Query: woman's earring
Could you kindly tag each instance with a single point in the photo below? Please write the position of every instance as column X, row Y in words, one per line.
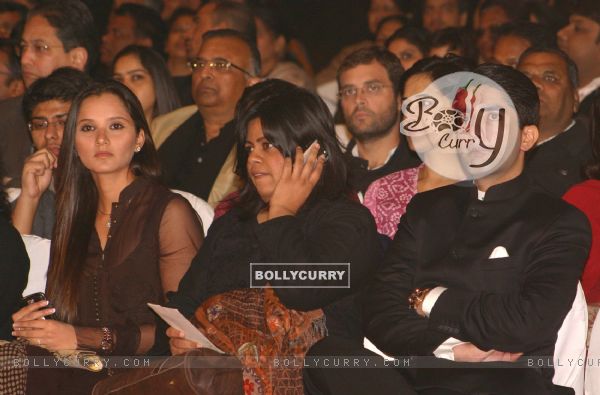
column 138, row 148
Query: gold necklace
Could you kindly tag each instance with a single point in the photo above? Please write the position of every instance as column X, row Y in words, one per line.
column 108, row 214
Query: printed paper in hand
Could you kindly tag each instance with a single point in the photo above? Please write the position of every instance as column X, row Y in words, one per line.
column 175, row 319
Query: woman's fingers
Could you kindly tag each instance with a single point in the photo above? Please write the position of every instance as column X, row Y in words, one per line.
column 315, row 175
column 178, row 343
column 23, row 312
column 36, row 315
column 311, row 161
column 287, row 169
column 175, row 333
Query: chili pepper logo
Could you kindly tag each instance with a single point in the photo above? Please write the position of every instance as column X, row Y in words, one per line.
column 464, row 104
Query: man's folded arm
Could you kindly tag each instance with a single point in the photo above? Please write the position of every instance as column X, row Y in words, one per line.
column 530, row 316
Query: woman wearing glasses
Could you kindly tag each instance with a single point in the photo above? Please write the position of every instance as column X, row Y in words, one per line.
column 120, row 240
column 145, row 72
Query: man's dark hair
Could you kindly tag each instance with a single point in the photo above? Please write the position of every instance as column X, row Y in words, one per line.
column 519, row 88
column 236, row 16
column 271, row 19
column 508, row 6
column 74, row 25
column 230, row 33
column 11, row 6
column 589, row 9
column 463, row 5
column 457, row 39
column 414, row 35
column 148, row 24
column 13, row 64
column 534, row 33
column 374, row 54
column 571, row 66
column 156, row 5
column 542, row 13
column 178, row 13
column 63, row 84
column 395, row 18
column 437, row 67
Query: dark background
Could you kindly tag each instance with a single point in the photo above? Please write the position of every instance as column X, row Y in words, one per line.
column 324, row 26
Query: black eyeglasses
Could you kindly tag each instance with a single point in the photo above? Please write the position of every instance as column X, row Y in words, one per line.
column 41, row 124
column 219, row 65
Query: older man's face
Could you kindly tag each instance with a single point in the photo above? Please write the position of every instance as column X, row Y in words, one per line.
column 220, row 90
column 558, row 97
column 42, row 52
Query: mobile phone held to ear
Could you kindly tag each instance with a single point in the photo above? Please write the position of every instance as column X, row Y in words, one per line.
column 36, row 297
column 322, row 151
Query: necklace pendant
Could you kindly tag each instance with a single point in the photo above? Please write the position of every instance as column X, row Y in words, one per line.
column 108, row 223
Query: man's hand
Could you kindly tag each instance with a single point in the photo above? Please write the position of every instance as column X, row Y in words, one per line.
column 37, row 173
column 467, row 352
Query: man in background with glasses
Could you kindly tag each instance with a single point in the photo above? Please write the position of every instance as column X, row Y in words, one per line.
column 198, row 155
column 57, row 34
column 369, row 97
column 45, row 106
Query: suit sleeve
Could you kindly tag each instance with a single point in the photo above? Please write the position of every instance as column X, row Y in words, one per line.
column 522, row 320
column 389, row 323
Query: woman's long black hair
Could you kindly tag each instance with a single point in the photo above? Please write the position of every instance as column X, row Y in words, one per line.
column 77, row 198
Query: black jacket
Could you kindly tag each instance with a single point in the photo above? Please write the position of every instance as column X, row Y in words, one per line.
column 557, row 165
column 338, row 231
column 14, row 269
column 513, row 304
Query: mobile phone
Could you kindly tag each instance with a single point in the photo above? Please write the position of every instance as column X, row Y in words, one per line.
column 36, row 297
column 321, row 151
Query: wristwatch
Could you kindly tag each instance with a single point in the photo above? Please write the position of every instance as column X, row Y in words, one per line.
column 416, row 298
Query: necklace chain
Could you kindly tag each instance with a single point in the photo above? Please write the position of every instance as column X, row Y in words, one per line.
column 107, row 222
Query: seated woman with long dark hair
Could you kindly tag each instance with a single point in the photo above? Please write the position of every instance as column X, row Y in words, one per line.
column 120, row 239
column 291, row 210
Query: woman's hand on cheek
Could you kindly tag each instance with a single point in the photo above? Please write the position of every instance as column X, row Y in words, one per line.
column 296, row 183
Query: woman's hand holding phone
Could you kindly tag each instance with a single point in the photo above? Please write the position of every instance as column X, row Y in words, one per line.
column 297, row 181
column 30, row 323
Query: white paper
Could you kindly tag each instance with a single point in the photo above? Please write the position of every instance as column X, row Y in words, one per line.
column 175, row 319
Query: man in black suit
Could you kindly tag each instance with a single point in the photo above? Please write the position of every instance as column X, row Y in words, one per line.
column 490, row 270
column 564, row 145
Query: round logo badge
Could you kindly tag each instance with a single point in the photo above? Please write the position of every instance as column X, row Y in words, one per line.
column 464, row 126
